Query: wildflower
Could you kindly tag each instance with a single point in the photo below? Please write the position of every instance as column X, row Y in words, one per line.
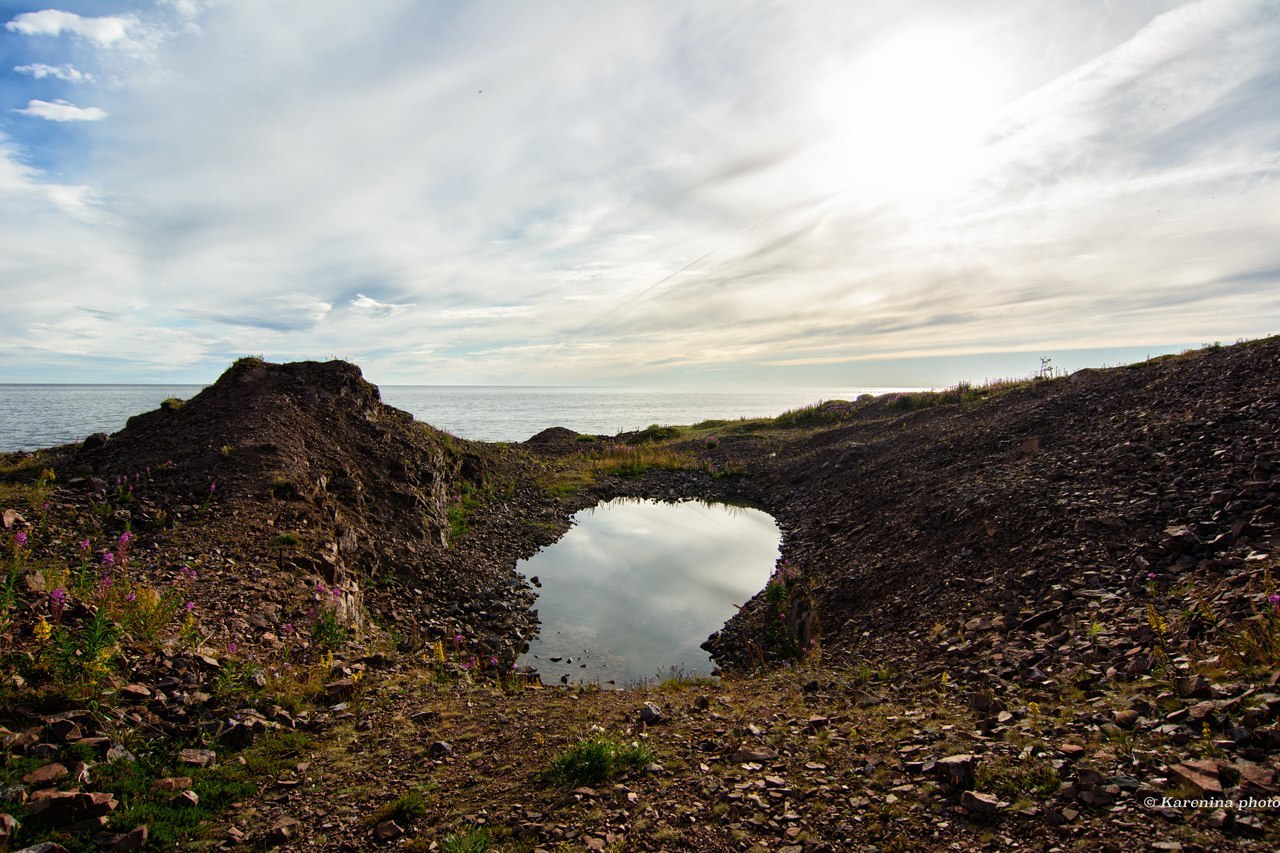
column 286, row 628
column 105, row 583
column 84, row 546
column 131, row 597
column 493, row 661
column 213, row 487
column 57, row 602
column 189, row 606
column 1274, row 599
column 187, row 573
column 437, row 652
column 320, row 588
column 232, row 648
column 42, row 629
column 125, row 539
column 20, row 538
column 108, row 559
column 357, row 675
column 1151, row 576
column 337, row 593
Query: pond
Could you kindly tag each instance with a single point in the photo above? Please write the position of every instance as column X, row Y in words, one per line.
column 634, row 587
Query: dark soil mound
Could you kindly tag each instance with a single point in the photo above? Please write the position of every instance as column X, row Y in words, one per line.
column 308, row 431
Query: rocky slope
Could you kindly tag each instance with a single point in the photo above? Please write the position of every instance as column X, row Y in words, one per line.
column 1023, row 616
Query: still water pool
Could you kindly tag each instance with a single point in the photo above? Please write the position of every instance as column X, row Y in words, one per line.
column 635, row 586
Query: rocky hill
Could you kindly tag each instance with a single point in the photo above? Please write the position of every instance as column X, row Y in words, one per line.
column 1026, row 614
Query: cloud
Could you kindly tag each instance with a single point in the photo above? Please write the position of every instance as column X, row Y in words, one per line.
column 65, row 72
column 489, row 312
column 632, row 190
column 104, row 31
column 367, row 306
column 61, row 111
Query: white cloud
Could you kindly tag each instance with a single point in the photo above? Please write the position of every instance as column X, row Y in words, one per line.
column 61, row 111
column 66, row 72
column 641, row 179
column 490, row 312
column 367, row 306
column 104, row 31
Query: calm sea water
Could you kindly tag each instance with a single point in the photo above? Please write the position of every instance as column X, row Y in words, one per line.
column 33, row 416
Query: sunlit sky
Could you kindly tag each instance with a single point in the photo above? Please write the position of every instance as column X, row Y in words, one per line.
column 707, row 194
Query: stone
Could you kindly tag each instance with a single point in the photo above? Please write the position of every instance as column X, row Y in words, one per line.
column 387, row 831
column 198, row 757
column 956, row 771
column 63, row 730
column 63, row 808
column 44, row 777
column 981, row 803
column 135, row 694
column 1126, row 719
column 650, row 714
column 172, row 783
column 187, row 799
column 759, row 755
column 283, row 830
column 8, row 828
column 440, row 749
column 1201, row 774
column 134, row 839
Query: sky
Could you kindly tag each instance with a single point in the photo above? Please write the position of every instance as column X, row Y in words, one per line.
column 717, row 194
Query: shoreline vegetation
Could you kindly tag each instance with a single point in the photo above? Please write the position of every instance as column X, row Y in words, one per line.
column 1022, row 614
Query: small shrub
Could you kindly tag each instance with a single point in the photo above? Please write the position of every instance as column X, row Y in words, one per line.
column 404, row 809
column 597, row 758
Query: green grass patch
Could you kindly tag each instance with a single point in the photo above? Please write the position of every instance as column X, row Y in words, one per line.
column 597, row 758
column 631, row 461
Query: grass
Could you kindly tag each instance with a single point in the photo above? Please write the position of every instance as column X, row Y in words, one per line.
column 133, row 785
column 597, row 758
column 472, row 840
column 631, row 461
column 1012, row 779
column 407, row 807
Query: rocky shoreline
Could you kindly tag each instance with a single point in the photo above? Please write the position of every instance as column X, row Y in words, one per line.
column 1022, row 610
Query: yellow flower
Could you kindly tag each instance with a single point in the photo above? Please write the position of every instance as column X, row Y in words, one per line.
column 437, row 651
column 42, row 630
column 356, row 676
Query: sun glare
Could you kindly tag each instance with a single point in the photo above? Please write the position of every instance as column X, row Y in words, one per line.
column 906, row 119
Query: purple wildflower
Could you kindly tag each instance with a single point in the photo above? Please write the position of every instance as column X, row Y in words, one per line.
column 190, row 606
column 57, row 602
column 187, row 573
column 1274, row 598
column 105, row 583
column 232, row 648
column 125, row 539
column 108, row 559
column 1151, row 576
column 213, row 487
column 84, row 545
column 286, row 628
column 20, row 538
column 337, row 593
column 131, row 597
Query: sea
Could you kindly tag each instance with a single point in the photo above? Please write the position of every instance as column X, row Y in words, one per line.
column 35, row 416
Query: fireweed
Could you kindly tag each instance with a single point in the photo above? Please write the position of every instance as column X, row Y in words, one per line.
column 327, row 629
